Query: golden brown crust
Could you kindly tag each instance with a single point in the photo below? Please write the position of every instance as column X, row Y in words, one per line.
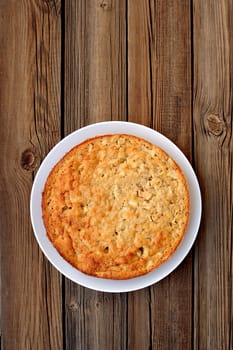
column 116, row 206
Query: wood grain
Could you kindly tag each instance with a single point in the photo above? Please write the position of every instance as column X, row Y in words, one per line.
column 95, row 62
column 213, row 105
column 95, row 90
column 66, row 64
column 159, row 95
column 30, row 125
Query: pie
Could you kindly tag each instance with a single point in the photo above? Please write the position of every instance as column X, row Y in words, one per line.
column 116, row 206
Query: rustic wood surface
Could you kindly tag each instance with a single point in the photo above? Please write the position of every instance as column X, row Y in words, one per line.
column 213, row 154
column 165, row 64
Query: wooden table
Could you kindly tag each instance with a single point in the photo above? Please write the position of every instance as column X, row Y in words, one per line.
column 167, row 64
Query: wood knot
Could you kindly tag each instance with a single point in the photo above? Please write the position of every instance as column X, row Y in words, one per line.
column 28, row 159
column 105, row 5
column 214, row 124
column 73, row 306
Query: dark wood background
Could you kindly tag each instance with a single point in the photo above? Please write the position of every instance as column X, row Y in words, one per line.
column 167, row 64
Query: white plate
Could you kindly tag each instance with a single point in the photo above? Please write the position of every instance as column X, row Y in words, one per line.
column 58, row 152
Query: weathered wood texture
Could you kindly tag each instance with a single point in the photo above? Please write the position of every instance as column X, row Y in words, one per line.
column 95, row 62
column 95, row 90
column 30, row 126
column 159, row 95
column 213, row 105
column 66, row 64
column 97, row 66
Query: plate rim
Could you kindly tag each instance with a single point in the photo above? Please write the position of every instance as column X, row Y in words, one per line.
column 115, row 286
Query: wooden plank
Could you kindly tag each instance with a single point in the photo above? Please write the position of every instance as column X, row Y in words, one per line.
column 159, row 95
column 95, row 90
column 30, row 126
column 95, row 62
column 213, row 105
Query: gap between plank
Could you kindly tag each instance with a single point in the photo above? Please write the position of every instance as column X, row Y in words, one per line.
column 193, row 159
column 126, row 61
column 62, row 124
column 62, row 134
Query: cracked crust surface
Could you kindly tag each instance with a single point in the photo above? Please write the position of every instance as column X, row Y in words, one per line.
column 116, row 206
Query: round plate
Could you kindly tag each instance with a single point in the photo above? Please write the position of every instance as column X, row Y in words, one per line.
column 59, row 151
